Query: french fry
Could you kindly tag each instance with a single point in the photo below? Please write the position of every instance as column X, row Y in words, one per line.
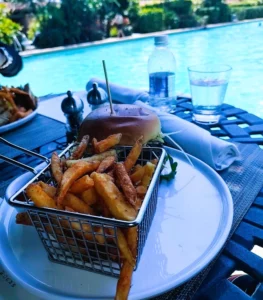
column 72, row 174
column 154, row 161
column 96, row 157
column 81, row 185
column 94, row 142
column 111, row 174
column 124, row 281
column 109, row 177
column 134, row 154
column 141, row 191
column 148, row 174
column 138, row 203
column 56, row 168
column 48, row 189
column 98, row 186
column 76, row 204
column 81, row 148
column 113, row 198
column 131, row 235
column 106, row 164
column 23, row 218
column 106, row 144
column 67, row 208
column 60, row 235
column 136, row 168
column 137, row 176
column 122, row 245
column 89, row 196
column 85, row 228
column 39, row 197
column 126, row 183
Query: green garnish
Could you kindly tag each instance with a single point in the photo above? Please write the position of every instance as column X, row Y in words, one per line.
column 173, row 165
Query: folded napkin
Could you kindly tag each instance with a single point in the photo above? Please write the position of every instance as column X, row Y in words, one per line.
column 196, row 141
column 193, row 139
column 119, row 93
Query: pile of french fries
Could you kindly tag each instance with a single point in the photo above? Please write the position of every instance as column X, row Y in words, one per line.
column 98, row 185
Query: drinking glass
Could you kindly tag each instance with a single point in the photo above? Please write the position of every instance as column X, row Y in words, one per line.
column 208, row 88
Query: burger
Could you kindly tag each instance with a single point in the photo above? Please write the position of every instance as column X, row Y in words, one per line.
column 131, row 120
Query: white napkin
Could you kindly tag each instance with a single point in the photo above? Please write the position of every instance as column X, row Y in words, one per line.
column 119, row 93
column 194, row 140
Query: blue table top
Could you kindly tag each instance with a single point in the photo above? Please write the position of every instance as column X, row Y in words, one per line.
column 235, row 125
column 240, row 126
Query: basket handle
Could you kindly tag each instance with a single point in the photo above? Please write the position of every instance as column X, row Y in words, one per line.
column 17, row 163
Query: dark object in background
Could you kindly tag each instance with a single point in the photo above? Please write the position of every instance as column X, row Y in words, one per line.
column 245, row 282
column 15, row 66
column 29, row 100
column 96, row 96
column 73, row 111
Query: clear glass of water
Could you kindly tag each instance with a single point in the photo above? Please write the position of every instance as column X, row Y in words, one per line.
column 208, row 88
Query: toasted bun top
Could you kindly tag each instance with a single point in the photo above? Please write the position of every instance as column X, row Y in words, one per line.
column 130, row 120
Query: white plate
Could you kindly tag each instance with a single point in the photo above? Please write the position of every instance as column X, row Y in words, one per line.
column 192, row 222
column 17, row 123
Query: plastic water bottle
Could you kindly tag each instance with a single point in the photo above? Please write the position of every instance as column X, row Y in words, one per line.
column 161, row 69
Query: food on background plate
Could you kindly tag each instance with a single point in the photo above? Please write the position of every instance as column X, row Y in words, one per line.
column 97, row 185
column 131, row 121
column 16, row 103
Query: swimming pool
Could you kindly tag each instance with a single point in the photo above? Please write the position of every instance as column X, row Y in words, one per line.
column 240, row 46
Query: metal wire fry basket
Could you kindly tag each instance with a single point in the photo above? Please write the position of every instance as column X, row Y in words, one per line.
column 86, row 241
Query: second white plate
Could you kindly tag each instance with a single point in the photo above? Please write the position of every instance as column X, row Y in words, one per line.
column 18, row 123
column 192, row 222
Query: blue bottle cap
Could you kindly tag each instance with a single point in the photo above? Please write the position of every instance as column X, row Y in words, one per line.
column 161, row 40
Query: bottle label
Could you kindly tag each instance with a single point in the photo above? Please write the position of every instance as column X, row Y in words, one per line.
column 162, row 84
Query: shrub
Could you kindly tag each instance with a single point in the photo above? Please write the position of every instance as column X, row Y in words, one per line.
column 96, row 35
column 171, row 20
column 134, row 14
column 34, row 27
column 50, row 38
column 128, row 30
column 151, row 20
column 215, row 14
column 113, row 31
column 72, row 23
column 8, row 28
column 243, row 13
column 188, row 21
column 211, row 12
column 180, row 7
column 254, row 12
column 240, row 13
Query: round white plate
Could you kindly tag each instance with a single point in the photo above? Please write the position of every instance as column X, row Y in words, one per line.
column 192, row 222
column 18, row 123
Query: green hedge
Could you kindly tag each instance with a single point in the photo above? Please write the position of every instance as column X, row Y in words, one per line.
column 171, row 20
column 7, row 27
column 215, row 14
column 244, row 13
column 151, row 20
column 168, row 15
column 180, row 7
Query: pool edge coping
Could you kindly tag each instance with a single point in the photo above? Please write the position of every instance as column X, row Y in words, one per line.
column 136, row 36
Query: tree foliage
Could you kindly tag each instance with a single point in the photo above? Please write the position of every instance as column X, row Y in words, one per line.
column 75, row 21
column 8, row 29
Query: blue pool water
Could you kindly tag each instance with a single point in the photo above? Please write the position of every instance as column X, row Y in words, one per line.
column 240, row 46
